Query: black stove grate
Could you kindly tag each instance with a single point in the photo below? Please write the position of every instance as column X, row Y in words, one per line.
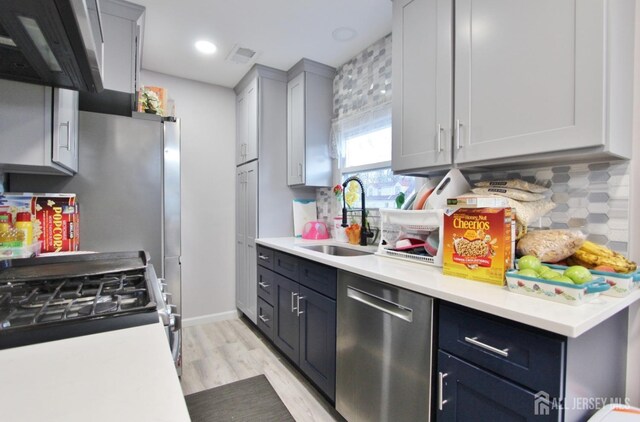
column 36, row 309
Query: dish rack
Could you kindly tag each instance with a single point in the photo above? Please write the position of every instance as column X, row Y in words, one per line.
column 397, row 225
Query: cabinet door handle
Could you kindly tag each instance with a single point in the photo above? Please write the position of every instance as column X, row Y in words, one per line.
column 66, row 124
column 439, row 138
column 263, row 257
column 300, row 312
column 458, row 126
column 263, row 284
column 69, row 136
column 475, row 342
column 263, row 319
column 441, row 378
column 300, row 170
column 293, row 306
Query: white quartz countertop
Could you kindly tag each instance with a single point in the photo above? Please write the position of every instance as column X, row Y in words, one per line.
column 559, row 318
column 122, row 375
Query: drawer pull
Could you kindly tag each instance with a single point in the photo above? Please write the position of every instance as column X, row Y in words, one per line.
column 263, row 284
column 441, row 402
column 263, row 257
column 263, row 319
column 475, row 342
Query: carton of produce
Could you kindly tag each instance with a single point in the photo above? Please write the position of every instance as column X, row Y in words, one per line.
column 55, row 218
column 477, row 243
column 556, row 291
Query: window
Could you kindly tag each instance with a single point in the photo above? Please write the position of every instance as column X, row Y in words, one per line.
column 363, row 146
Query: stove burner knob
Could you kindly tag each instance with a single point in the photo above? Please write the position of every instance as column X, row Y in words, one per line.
column 166, row 297
column 175, row 322
column 163, row 285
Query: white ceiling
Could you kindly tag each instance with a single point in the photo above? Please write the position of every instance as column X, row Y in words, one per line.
column 282, row 31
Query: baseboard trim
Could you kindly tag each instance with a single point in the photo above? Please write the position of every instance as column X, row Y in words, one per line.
column 206, row 319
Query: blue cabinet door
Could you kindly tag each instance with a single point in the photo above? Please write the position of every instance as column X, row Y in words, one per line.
column 318, row 339
column 465, row 392
column 286, row 322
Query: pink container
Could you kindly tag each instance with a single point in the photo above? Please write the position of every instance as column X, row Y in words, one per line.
column 315, row 230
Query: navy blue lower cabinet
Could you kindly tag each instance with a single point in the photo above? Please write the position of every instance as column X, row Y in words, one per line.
column 318, row 339
column 465, row 392
column 286, row 329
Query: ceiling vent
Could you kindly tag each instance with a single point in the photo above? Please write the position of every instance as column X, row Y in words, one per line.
column 242, row 55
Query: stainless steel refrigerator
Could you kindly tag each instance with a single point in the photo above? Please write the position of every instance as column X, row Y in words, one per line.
column 128, row 188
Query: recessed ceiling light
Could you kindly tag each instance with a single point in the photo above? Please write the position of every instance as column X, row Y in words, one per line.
column 206, row 47
column 344, row 34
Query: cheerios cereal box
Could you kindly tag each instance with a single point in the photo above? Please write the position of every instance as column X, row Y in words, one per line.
column 477, row 243
column 55, row 218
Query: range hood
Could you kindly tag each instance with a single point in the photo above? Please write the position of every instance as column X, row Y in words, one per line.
column 53, row 42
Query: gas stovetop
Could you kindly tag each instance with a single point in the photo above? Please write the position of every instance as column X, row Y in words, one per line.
column 44, row 299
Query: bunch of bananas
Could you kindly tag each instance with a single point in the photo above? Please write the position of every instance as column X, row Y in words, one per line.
column 591, row 255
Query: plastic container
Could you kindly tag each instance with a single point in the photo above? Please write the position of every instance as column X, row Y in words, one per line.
column 556, row 291
column 400, row 228
column 24, row 223
column 453, row 184
column 315, row 230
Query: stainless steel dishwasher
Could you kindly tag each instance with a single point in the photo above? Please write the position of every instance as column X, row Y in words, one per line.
column 383, row 351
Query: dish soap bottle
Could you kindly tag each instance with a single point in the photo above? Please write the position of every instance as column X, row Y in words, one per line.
column 24, row 224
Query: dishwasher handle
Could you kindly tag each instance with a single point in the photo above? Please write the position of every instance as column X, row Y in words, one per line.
column 380, row 304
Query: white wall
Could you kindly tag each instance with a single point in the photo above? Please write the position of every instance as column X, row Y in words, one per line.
column 207, row 114
column 633, row 338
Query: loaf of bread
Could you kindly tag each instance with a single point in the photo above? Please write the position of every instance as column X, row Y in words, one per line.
column 550, row 245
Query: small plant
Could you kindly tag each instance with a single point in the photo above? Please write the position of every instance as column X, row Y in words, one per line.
column 150, row 102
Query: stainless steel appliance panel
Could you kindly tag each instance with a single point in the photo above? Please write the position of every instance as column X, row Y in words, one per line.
column 172, row 215
column 119, row 185
column 383, row 351
column 171, row 177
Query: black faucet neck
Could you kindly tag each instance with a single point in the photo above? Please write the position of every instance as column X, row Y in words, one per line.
column 363, row 228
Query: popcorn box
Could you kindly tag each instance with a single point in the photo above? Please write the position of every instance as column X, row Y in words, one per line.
column 477, row 243
column 55, row 218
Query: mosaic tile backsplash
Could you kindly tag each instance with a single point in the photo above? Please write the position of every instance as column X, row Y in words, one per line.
column 593, row 198
column 364, row 81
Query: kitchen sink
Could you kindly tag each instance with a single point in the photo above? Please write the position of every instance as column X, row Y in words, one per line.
column 336, row 250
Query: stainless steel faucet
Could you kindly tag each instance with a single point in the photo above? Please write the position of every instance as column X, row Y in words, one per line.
column 364, row 232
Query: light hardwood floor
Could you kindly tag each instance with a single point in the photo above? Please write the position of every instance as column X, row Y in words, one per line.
column 226, row 351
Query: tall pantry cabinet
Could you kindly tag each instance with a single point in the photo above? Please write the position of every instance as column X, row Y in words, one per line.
column 263, row 199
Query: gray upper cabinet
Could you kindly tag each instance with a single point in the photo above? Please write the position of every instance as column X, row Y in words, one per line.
column 309, row 113
column 422, row 84
column 520, row 93
column 123, row 28
column 38, row 129
column 247, row 122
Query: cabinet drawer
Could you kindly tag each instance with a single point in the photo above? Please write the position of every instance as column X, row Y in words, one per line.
column 469, row 393
column 266, row 281
column 527, row 356
column 265, row 257
column 265, row 318
column 286, row 265
column 318, row 277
